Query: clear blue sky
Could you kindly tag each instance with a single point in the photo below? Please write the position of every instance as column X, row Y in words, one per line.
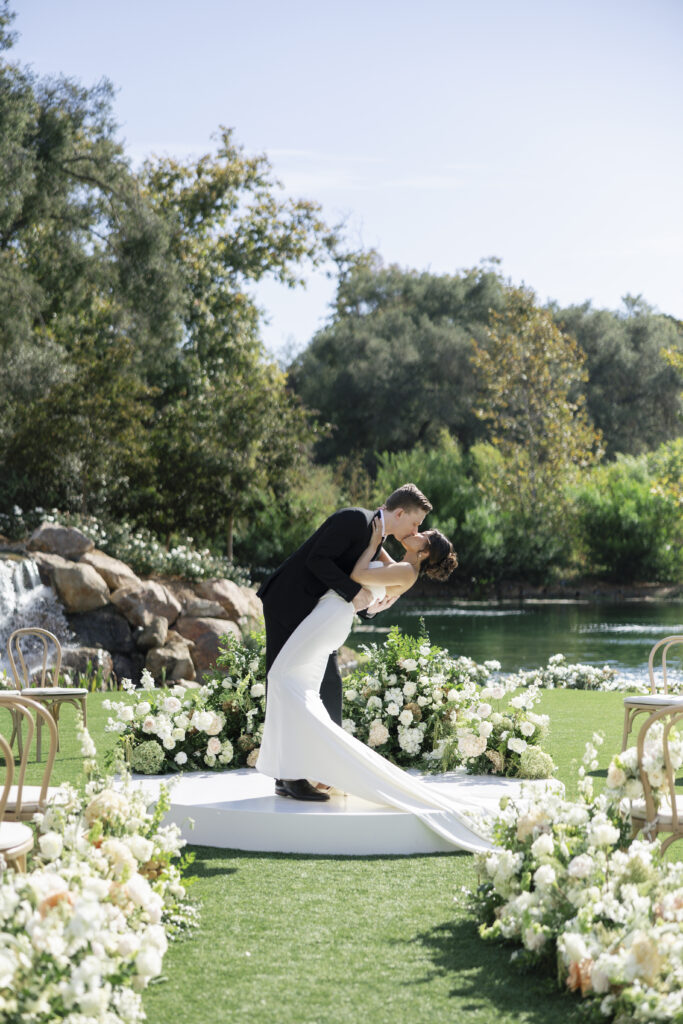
column 544, row 132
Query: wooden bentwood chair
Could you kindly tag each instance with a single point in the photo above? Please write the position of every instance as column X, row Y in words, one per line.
column 19, row 802
column 645, row 815
column 48, row 692
column 649, row 703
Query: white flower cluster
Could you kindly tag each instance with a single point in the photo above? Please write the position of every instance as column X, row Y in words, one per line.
column 623, row 774
column 615, row 916
column 558, row 674
column 85, row 929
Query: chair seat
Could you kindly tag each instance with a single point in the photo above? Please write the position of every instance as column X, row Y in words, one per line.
column 653, row 700
column 30, row 797
column 664, row 814
column 48, row 692
column 13, row 833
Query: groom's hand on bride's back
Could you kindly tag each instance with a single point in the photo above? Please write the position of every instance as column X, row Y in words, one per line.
column 363, row 599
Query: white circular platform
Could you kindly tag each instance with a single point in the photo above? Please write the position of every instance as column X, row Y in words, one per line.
column 239, row 810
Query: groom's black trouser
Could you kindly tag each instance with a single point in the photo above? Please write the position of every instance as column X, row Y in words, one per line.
column 331, row 686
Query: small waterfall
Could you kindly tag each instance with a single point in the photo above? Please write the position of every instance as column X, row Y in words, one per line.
column 24, row 601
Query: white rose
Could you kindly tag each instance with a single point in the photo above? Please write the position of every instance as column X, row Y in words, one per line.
column 148, row 963
column 143, row 708
column 484, row 710
column 406, row 717
column 544, row 876
column 517, row 745
column 527, row 728
column 602, row 833
column 351, row 694
column 409, row 664
column 580, row 866
column 409, row 688
column 616, row 778
column 575, row 949
column 178, row 735
column 126, row 714
column 634, row 789
column 485, row 729
column 141, row 848
column 168, row 743
column 378, row 735
column 214, row 745
column 181, row 757
column 258, row 690
column 533, row 938
column 149, row 724
column 543, row 846
column 393, row 709
column 51, row 845
column 171, row 704
column 348, row 725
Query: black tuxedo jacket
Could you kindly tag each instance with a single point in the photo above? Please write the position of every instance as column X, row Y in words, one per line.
column 323, row 562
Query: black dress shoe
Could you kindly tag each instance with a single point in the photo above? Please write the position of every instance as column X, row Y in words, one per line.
column 299, row 789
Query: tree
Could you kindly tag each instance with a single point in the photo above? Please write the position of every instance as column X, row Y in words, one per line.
column 530, row 376
column 393, row 368
column 633, row 395
column 229, row 438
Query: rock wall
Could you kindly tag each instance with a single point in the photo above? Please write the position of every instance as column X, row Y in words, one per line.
column 170, row 627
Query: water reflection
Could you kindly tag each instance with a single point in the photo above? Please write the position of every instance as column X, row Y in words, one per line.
column 525, row 636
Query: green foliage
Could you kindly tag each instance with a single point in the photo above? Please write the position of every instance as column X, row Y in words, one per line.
column 629, row 517
column 392, row 368
column 529, row 374
column 633, row 393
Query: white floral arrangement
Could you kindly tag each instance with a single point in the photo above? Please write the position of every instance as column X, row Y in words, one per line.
column 570, row 893
column 216, row 725
column 499, row 733
column 85, row 929
column 623, row 775
column 559, row 674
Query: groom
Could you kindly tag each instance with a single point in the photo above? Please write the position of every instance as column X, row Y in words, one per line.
column 324, row 562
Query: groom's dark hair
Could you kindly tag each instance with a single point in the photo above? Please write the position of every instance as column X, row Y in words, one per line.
column 408, row 496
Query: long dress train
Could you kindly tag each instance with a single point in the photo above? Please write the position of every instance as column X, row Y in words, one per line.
column 300, row 740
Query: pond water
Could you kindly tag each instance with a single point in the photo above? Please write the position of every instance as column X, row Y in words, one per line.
column 525, row 635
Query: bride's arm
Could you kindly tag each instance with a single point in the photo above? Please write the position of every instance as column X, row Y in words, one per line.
column 397, row 576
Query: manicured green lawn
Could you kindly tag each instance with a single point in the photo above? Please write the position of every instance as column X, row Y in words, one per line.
column 340, row 940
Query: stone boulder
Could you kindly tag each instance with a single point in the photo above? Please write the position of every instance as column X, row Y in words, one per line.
column 152, row 635
column 173, row 660
column 141, row 602
column 228, row 595
column 254, row 603
column 47, row 563
column 114, row 572
column 205, row 634
column 80, row 587
column 201, row 608
column 75, row 661
column 105, row 627
column 66, row 541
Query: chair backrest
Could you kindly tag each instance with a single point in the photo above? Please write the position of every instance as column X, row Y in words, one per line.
column 25, row 708
column 9, row 774
column 663, row 645
column 16, row 655
column 669, row 717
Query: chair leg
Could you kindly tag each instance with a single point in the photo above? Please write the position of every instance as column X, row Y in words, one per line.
column 54, row 711
column 84, row 709
column 18, row 862
column 627, row 728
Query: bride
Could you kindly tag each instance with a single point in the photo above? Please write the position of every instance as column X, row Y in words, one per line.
column 300, row 740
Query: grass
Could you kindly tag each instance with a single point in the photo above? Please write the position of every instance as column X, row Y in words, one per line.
column 291, row 939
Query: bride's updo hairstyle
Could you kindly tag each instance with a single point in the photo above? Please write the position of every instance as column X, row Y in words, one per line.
column 442, row 559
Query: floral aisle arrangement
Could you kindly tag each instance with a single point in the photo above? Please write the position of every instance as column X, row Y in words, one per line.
column 559, row 674
column 85, row 930
column 498, row 733
column 416, row 705
column 403, row 698
column 571, row 894
column 216, row 725
column 623, row 776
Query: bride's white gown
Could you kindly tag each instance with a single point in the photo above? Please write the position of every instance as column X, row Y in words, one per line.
column 300, row 740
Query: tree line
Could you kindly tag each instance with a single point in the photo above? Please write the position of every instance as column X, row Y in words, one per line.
column 134, row 383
